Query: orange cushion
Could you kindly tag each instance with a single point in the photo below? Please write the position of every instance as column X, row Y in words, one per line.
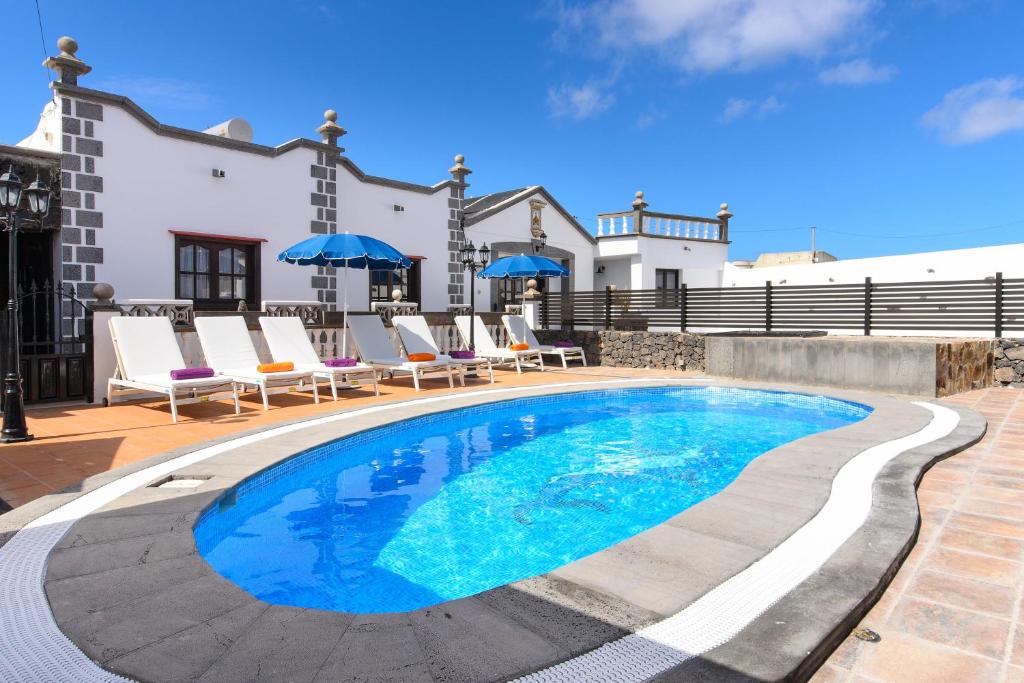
column 275, row 367
column 519, row 347
column 420, row 357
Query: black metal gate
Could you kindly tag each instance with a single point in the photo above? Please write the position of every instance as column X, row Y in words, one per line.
column 56, row 345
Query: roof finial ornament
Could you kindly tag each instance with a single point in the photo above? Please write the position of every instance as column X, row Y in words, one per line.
column 330, row 131
column 66, row 64
column 639, row 204
column 459, row 171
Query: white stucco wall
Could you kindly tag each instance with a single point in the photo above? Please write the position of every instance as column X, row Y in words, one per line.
column 954, row 264
column 512, row 224
column 631, row 261
column 153, row 184
column 420, row 230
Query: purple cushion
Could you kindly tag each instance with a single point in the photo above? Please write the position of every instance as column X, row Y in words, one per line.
column 463, row 355
column 340, row 362
column 564, row 344
column 192, row 373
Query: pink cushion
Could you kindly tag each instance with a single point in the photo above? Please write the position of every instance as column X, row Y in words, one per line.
column 340, row 362
column 463, row 355
column 564, row 344
column 192, row 373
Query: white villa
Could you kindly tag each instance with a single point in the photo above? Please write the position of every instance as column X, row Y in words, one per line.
column 120, row 176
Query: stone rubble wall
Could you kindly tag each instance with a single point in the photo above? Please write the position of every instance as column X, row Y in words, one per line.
column 1009, row 363
column 635, row 349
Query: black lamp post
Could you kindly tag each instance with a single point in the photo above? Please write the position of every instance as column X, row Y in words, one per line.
column 469, row 256
column 38, row 195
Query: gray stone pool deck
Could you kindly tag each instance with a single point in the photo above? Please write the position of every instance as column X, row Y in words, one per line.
column 128, row 587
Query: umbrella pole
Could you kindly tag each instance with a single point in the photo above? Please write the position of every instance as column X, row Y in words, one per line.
column 522, row 310
column 344, row 314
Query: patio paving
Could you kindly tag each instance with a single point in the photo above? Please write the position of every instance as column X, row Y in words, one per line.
column 953, row 612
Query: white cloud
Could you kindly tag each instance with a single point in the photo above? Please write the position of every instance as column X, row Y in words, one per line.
column 738, row 108
column 735, row 109
column 857, row 72
column 583, row 101
column 165, row 92
column 978, row 111
column 650, row 117
column 700, row 36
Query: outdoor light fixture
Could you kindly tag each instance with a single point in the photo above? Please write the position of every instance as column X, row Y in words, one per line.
column 540, row 242
column 39, row 196
column 473, row 261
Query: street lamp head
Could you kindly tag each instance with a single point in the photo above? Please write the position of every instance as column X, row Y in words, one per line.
column 541, row 242
column 485, row 254
column 10, row 190
column 468, row 254
column 39, row 196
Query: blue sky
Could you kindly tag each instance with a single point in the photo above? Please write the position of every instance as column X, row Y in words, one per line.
column 892, row 126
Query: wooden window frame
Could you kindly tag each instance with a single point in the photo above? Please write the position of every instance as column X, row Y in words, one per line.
column 214, row 245
column 413, row 291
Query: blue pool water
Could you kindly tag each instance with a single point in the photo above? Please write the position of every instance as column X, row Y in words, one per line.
column 449, row 505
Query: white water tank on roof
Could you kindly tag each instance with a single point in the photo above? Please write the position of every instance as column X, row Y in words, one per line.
column 233, row 129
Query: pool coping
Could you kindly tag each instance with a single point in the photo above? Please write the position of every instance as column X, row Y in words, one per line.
column 508, row 631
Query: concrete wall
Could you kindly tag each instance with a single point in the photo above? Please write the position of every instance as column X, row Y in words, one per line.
column 916, row 367
column 953, row 264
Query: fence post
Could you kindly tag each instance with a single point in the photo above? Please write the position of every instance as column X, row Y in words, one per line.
column 608, row 307
column 867, row 307
column 682, row 307
column 768, row 306
column 999, row 306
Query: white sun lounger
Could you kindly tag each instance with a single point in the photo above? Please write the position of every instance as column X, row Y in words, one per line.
column 288, row 341
column 416, row 338
column 486, row 347
column 376, row 349
column 146, row 351
column 516, row 326
column 229, row 350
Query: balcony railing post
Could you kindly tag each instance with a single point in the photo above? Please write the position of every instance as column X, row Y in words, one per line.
column 608, row 307
column 682, row 307
column 768, row 306
column 999, row 306
column 867, row 307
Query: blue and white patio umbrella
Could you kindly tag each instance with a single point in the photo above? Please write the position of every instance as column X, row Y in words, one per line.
column 345, row 251
column 524, row 267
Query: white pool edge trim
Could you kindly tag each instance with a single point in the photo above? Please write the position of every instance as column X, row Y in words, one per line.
column 721, row 613
column 33, row 647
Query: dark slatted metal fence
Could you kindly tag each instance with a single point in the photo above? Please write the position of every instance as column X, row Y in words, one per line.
column 991, row 305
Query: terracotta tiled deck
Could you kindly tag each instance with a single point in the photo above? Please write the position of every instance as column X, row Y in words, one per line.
column 953, row 612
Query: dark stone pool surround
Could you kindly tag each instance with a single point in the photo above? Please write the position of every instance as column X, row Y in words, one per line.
column 127, row 586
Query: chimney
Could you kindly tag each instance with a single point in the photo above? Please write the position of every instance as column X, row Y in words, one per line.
column 66, row 64
column 330, row 131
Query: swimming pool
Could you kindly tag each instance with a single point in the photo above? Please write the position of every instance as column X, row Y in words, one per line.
column 448, row 505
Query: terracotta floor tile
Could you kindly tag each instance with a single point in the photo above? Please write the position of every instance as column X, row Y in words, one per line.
column 962, row 592
column 977, row 542
column 989, row 525
column 829, row 674
column 902, row 658
column 969, row 631
column 972, row 565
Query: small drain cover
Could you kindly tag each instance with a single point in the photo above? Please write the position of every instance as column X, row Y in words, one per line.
column 866, row 634
column 181, row 484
